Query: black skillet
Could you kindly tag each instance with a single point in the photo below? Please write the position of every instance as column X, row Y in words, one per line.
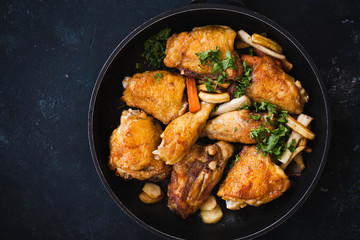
column 104, row 113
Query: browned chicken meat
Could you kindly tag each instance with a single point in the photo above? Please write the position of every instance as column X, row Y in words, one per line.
column 159, row 93
column 131, row 146
column 181, row 134
column 235, row 126
column 253, row 180
column 193, row 179
column 182, row 48
column 272, row 84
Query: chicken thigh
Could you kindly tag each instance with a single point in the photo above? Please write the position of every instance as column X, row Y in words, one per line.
column 131, row 146
column 193, row 178
column 235, row 126
column 272, row 84
column 181, row 50
column 254, row 180
column 181, row 134
column 159, row 93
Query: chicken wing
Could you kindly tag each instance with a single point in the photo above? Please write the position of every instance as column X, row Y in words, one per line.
column 235, row 126
column 181, row 51
column 181, row 134
column 272, row 84
column 253, row 180
column 131, row 146
column 159, row 93
column 193, row 178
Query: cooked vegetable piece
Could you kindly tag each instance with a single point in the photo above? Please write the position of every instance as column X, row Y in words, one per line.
column 286, row 65
column 241, row 44
column 300, row 161
column 194, row 104
column 234, row 205
column 247, row 38
column 234, row 104
column 266, row 42
column 152, row 189
column 214, row 98
column 209, row 204
column 149, row 200
column 294, row 139
column 299, row 128
column 212, row 216
column 226, row 84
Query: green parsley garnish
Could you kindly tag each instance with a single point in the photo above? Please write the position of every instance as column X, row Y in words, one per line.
column 255, row 117
column 290, row 146
column 208, row 85
column 244, row 82
column 273, row 141
column 235, row 129
column 154, row 53
column 251, row 51
column 212, row 58
column 158, row 76
column 259, row 133
column 231, row 165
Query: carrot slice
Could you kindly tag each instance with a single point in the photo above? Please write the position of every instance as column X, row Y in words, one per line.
column 193, row 99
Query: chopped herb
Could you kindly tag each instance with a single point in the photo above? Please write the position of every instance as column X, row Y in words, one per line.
column 212, row 58
column 237, row 157
column 272, row 142
column 228, row 62
column 139, row 65
column 246, row 106
column 244, row 82
column 216, row 68
column 154, row 52
column 158, row 76
column 282, row 117
column 290, row 146
column 208, row 85
column 259, row 133
column 235, row 129
column 251, row 51
column 255, row 117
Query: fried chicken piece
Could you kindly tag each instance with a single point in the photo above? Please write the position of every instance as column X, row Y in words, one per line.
column 181, row 134
column 161, row 96
column 272, row 84
column 131, row 146
column 182, row 47
column 193, row 178
column 253, row 180
column 235, row 126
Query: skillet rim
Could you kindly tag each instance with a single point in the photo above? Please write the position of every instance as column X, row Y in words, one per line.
column 202, row 7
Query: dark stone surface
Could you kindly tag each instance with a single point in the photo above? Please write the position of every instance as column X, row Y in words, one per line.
column 51, row 53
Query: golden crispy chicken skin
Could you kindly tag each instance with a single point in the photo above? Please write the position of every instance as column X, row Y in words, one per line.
column 181, row 134
column 193, row 178
column 181, row 51
column 162, row 97
column 235, row 126
column 272, row 84
column 253, row 180
column 131, row 146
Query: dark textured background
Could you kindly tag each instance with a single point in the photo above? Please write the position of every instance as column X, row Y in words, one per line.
column 50, row 55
